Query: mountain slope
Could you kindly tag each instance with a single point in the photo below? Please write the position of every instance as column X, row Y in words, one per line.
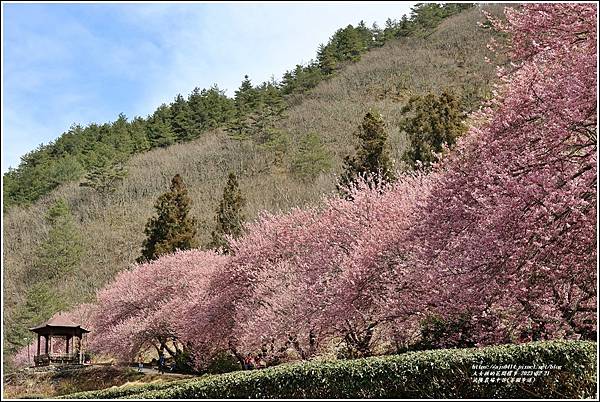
column 112, row 225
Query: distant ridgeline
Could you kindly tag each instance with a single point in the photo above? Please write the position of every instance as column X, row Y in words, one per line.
column 98, row 151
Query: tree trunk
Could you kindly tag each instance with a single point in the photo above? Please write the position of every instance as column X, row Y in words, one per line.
column 235, row 352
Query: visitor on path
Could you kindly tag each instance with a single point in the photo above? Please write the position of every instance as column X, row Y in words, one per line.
column 140, row 363
column 249, row 362
column 161, row 364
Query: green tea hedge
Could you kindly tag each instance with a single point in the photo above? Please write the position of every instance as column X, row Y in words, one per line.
column 449, row 373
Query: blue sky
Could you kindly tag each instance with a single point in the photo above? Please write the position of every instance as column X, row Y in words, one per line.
column 83, row 63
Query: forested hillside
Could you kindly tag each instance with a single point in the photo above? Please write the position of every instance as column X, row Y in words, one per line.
column 75, row 210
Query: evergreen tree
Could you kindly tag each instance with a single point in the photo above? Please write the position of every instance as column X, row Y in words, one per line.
column 229, row 218
column 41, row 303
column 246, row 101
column 276, row 143
column 302, row 78
column 198, row 112
column 104, row 175
column 273, row 101
column 67, row 158
column 209, row 108
column 218, row 106
column 182, row 123
column 426, row 15
column 431, row 123
column 159, row 131
column 60, row 254
column 118, row 137
column 172, row 229
column 349, row 45
column 390, row 28
column 139, row 139
column 405, row 27
column 326, row 59
column 365, row 35
column 246, row 97
column 312, row 158
column 378, row 38
column 372, row 155
column 268, row 111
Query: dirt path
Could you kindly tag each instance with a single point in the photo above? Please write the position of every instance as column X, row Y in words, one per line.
column 154, row 371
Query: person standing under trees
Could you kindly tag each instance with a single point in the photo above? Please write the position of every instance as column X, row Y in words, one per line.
column 161, row 364
column 249, row 362
column 140, row 363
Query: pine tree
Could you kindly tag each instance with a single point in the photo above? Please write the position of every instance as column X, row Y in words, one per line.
column 229, row 218
column 405, row 28
column 365, row 35
column 268, row 111
column 172, row 229
column 139, row 138
column 273, row 101
column 390, row 29
column 246, row 97
column 431, row 123
column 311, row 158
column 60, row 254
column 182, row 123
column 246, row 101
column 372, row 155
column 104, row 175
column 198, row 112
column 426, row 16
column 326, row 59
column 159, row 131
column 349, row 44
column 378, row 37
column 218, row 106
column 276, row 143
column 41, row 303
column 209, row 108
column 116, row 135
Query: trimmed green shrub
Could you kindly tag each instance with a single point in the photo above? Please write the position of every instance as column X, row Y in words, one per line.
column 448, row 373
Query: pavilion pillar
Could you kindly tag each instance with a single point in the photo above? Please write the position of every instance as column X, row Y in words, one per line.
column 80, row 337
column 67, row 339
column 38, row 345
column 50, row 341
column 46, row 350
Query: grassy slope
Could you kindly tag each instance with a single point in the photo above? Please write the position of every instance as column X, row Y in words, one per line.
column 28, row 384
column 113, row 227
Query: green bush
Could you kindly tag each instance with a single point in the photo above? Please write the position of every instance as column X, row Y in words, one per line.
column 447, row 373
column 445, row 332
column 223, row 363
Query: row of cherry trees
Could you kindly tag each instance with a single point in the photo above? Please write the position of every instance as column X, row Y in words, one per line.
column 497, row 243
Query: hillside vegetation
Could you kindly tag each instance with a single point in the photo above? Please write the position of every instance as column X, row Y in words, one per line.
column 110, row 225
column 47, row 384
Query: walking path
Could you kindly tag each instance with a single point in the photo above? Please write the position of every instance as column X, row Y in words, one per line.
column 154, row 370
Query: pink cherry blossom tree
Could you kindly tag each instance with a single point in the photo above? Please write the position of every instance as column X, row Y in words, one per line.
column 503, row 231
column 509, row 228
column 315, row 275
column 139, row 309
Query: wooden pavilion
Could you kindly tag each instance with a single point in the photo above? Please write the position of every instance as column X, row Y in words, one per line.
column 60, row 327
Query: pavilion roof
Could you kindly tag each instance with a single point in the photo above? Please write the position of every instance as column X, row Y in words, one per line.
column 59, row 321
